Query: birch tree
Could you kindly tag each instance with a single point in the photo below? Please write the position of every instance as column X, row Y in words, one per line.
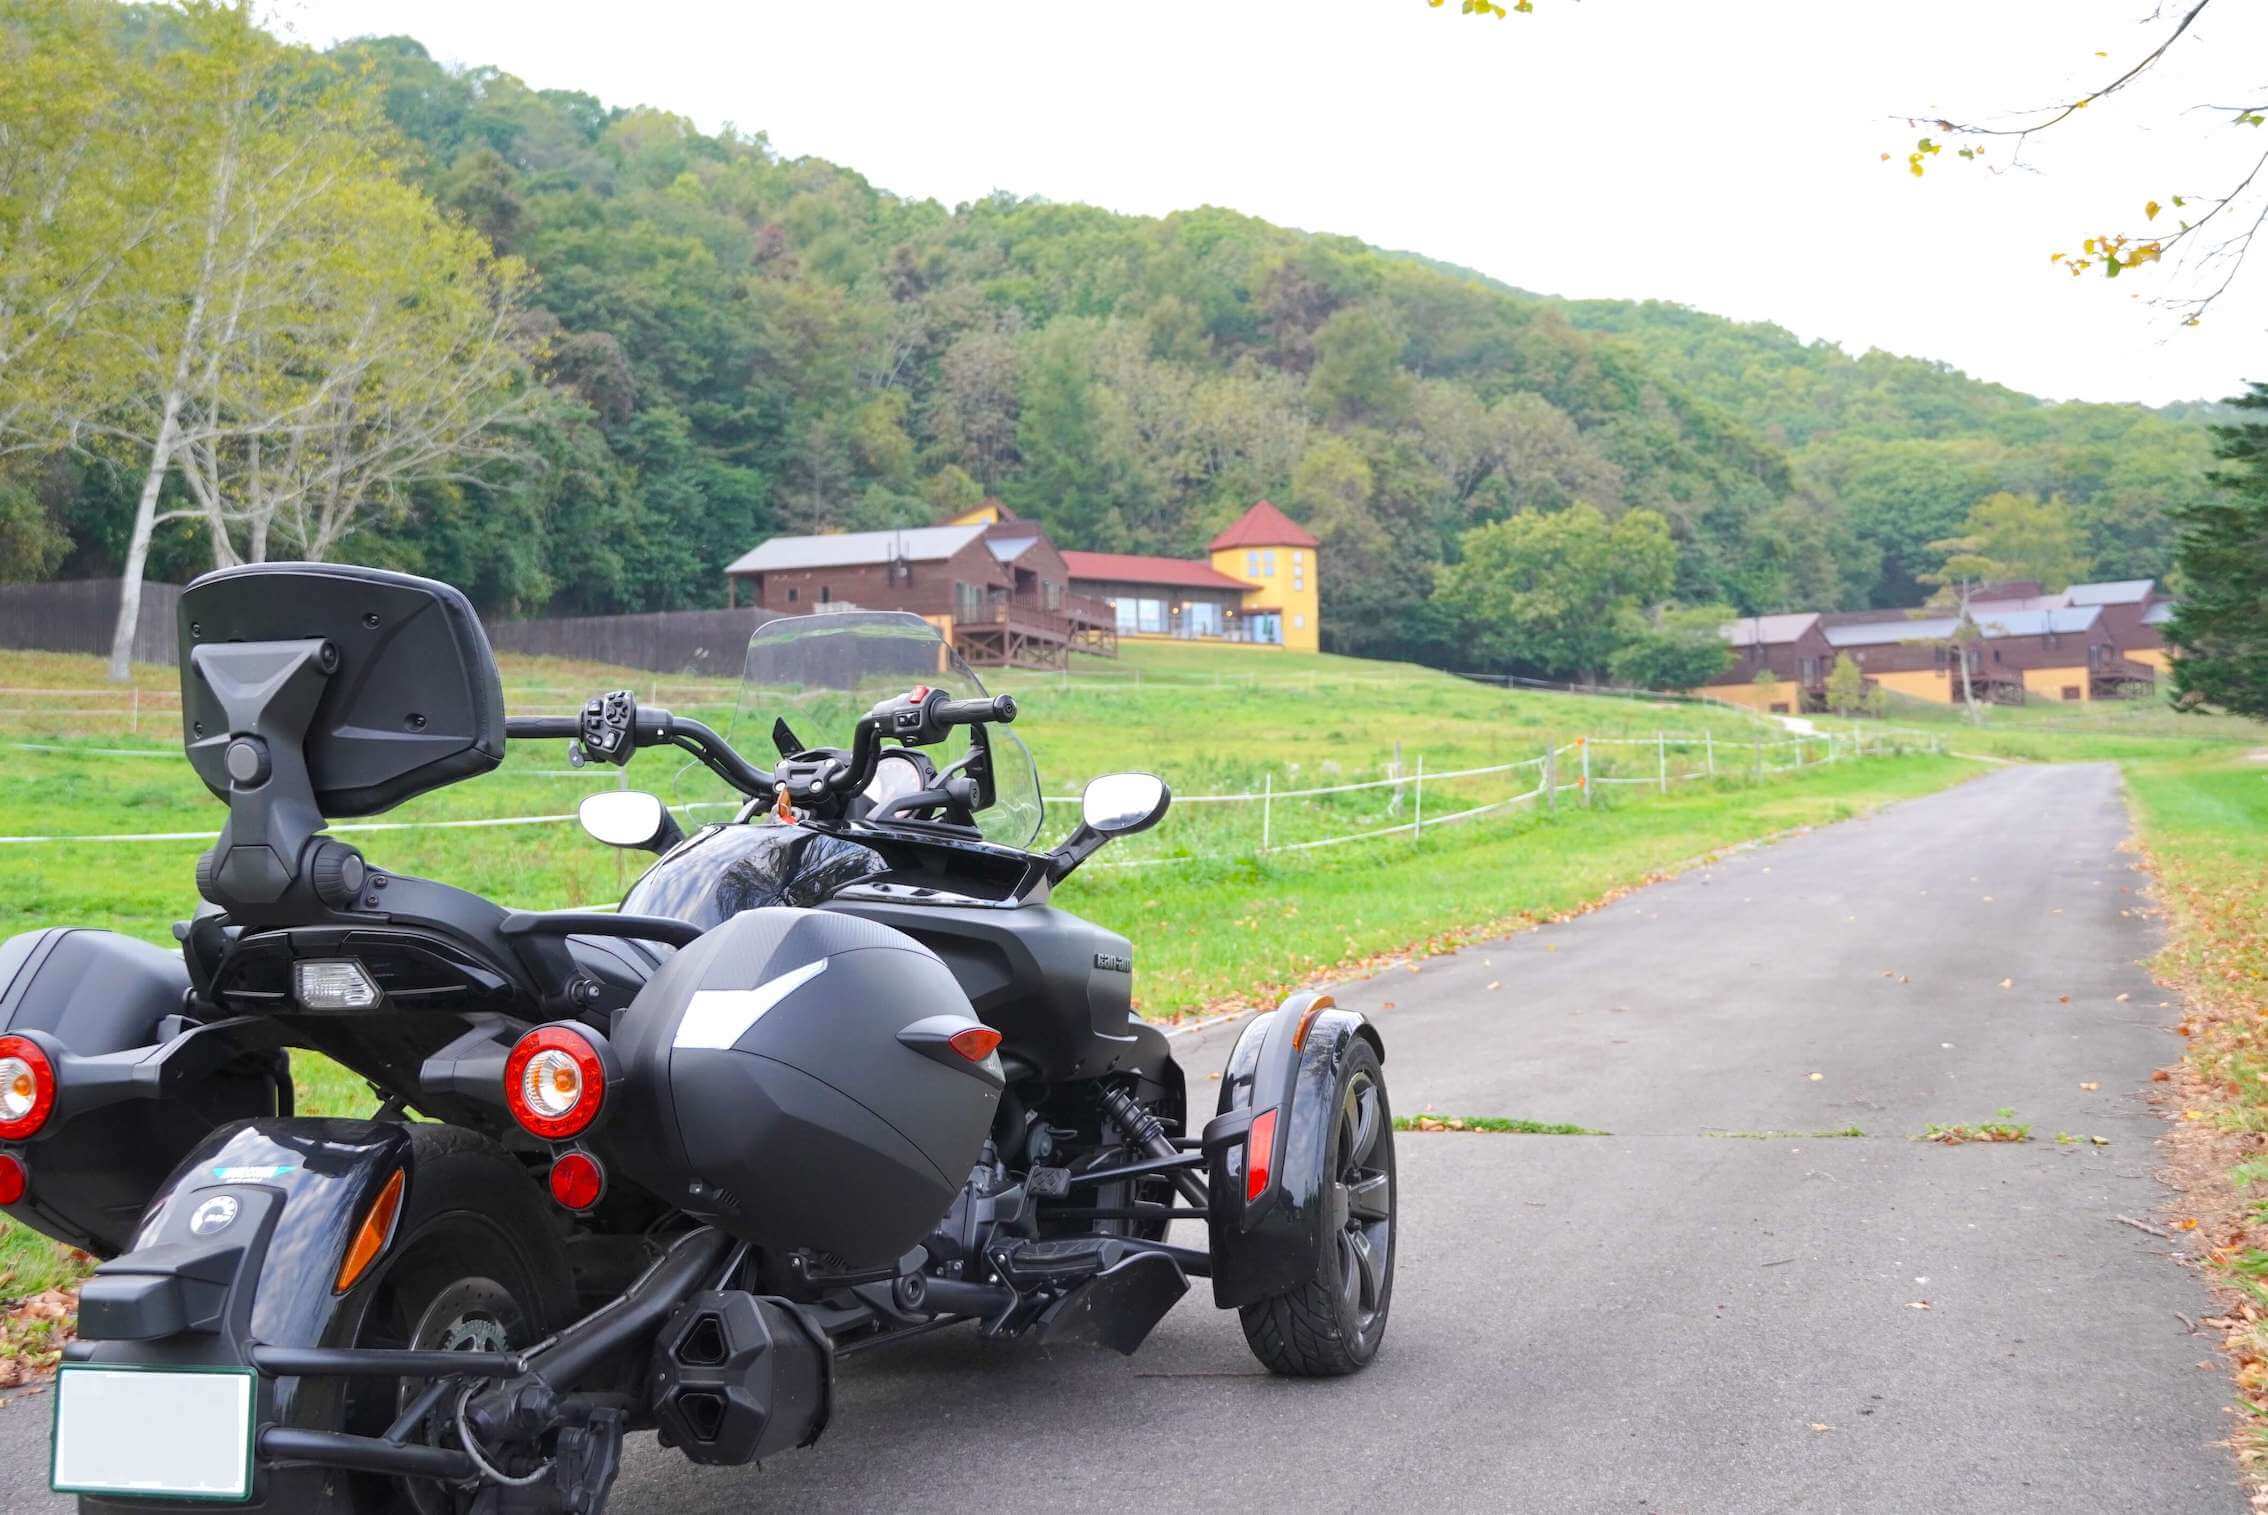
column 331, row 341
column 85, row 195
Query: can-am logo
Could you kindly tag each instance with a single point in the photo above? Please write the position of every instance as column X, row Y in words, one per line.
column 214, row 1215
column 1111, row 963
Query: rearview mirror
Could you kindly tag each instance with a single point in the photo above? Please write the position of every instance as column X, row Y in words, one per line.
column 629, row 818
column 1120, row 804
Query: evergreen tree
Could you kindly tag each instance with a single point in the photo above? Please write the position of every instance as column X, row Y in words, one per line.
column 2220, row 625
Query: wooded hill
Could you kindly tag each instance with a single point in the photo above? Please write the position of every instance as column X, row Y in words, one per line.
column 735, row 344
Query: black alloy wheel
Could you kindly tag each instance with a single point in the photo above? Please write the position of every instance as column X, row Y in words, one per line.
column 1332, row 1322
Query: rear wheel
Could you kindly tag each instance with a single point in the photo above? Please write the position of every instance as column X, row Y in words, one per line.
column 475, row 1267
column 1332, row 1321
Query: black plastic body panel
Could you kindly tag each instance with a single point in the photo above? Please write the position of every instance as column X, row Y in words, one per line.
column 93, row 1170
column 301, row 1187
column 415, row 701
column 1266, row 1246
column 1058, row 989
column 765, row 1087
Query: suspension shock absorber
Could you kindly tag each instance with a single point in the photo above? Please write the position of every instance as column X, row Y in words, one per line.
column 1145, row 1130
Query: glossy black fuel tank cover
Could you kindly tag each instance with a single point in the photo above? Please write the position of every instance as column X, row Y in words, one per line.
column 765, row 1085
column 723, row 871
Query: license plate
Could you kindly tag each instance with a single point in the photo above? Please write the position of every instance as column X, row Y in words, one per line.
column 172, row 1433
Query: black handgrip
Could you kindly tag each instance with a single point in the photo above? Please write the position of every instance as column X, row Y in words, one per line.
column 539, row 726
column 1001, row 707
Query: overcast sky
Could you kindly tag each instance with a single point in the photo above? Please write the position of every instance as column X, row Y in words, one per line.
column 1723, row 155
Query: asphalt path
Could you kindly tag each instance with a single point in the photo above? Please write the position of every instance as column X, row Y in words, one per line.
column 1665, row 1319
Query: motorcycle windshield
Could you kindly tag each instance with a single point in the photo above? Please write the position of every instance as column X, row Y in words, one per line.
column 819, row 673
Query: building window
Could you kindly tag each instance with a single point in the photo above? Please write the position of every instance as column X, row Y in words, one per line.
column 1251, row 563
column 1268, row 564
column 791, row 594
column 2071, row 692
column 1051, row 594
column 968, row 601
column 824, row 594
column 1299, row 623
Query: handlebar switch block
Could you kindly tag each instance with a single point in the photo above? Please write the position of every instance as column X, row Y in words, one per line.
column 607, row 724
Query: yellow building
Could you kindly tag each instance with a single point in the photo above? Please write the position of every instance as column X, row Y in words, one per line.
column 1275, row 558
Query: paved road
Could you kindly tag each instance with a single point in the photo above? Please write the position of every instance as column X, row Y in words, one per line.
column 1659, row 1320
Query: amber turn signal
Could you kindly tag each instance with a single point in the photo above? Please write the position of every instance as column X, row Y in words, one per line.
column 376, row 1230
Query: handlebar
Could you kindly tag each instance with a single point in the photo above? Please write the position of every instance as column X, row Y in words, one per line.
column 611, row 726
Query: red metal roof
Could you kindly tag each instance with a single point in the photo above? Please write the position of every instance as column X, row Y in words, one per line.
column 1265, row 526
column 1136, row 568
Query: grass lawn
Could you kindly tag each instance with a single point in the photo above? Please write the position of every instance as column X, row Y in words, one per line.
column 2204, row 823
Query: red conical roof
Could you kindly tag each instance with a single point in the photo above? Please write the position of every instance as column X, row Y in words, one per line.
column 1265, row 526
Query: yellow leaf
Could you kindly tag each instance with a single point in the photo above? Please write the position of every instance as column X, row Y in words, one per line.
column 2150, row 211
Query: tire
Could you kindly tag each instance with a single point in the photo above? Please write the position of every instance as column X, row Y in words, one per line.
column 475, row 1265
column 1331, row 1323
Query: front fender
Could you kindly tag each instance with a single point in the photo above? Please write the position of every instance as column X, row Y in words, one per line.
column 1286, row 1061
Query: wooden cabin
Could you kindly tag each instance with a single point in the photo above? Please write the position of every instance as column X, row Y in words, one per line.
column 998, row 589
column 1793, row 648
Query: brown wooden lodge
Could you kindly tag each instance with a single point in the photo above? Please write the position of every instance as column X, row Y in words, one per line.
column 1004, row 596
column 2087, row 642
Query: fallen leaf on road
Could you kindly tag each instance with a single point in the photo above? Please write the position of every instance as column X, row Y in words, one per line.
column 2063, row 999
column 2008, row 983
column 2100, row 1141
column 1917, row 1304
column 1214, row 1074
column 1816, row 1077
column 1818, row 1425
column 2188, row 1224
column 2161, row 1076
column 2090, row 1088
column 1496, row 983
column 2122, row 999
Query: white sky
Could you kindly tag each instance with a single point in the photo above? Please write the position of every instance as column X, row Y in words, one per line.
column 1725, row 155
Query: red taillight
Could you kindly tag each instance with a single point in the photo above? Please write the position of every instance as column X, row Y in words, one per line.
column 554, row 1082
column 1259, row 1153
column 577, row 1181
column 975, row 1043
column 27, row 1088
column 13, row 1180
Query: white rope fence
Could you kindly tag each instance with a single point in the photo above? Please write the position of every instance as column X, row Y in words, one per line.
column 1553, row 781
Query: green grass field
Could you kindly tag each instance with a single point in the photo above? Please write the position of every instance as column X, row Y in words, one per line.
column 1217, row 921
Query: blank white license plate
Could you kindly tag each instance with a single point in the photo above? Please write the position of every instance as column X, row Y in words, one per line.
column 151, row 1431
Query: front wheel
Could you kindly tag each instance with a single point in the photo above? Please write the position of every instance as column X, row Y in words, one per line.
column 1331, row 1322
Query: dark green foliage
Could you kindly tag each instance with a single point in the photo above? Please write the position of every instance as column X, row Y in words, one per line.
column 2220, row 625
column 1672, row 649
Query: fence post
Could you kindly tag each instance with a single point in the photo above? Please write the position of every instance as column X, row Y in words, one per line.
column 1583, row 746
column 1661, row 759
column 1267, row 807
column 1419, row 828
column 1550, row 775
column 1710, row 739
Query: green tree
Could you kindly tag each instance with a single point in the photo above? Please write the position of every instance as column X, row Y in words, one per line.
column 2025, row 537
column 1846, row 686
column 1677, row 647
column 1552, row 592
column 2220, row 624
